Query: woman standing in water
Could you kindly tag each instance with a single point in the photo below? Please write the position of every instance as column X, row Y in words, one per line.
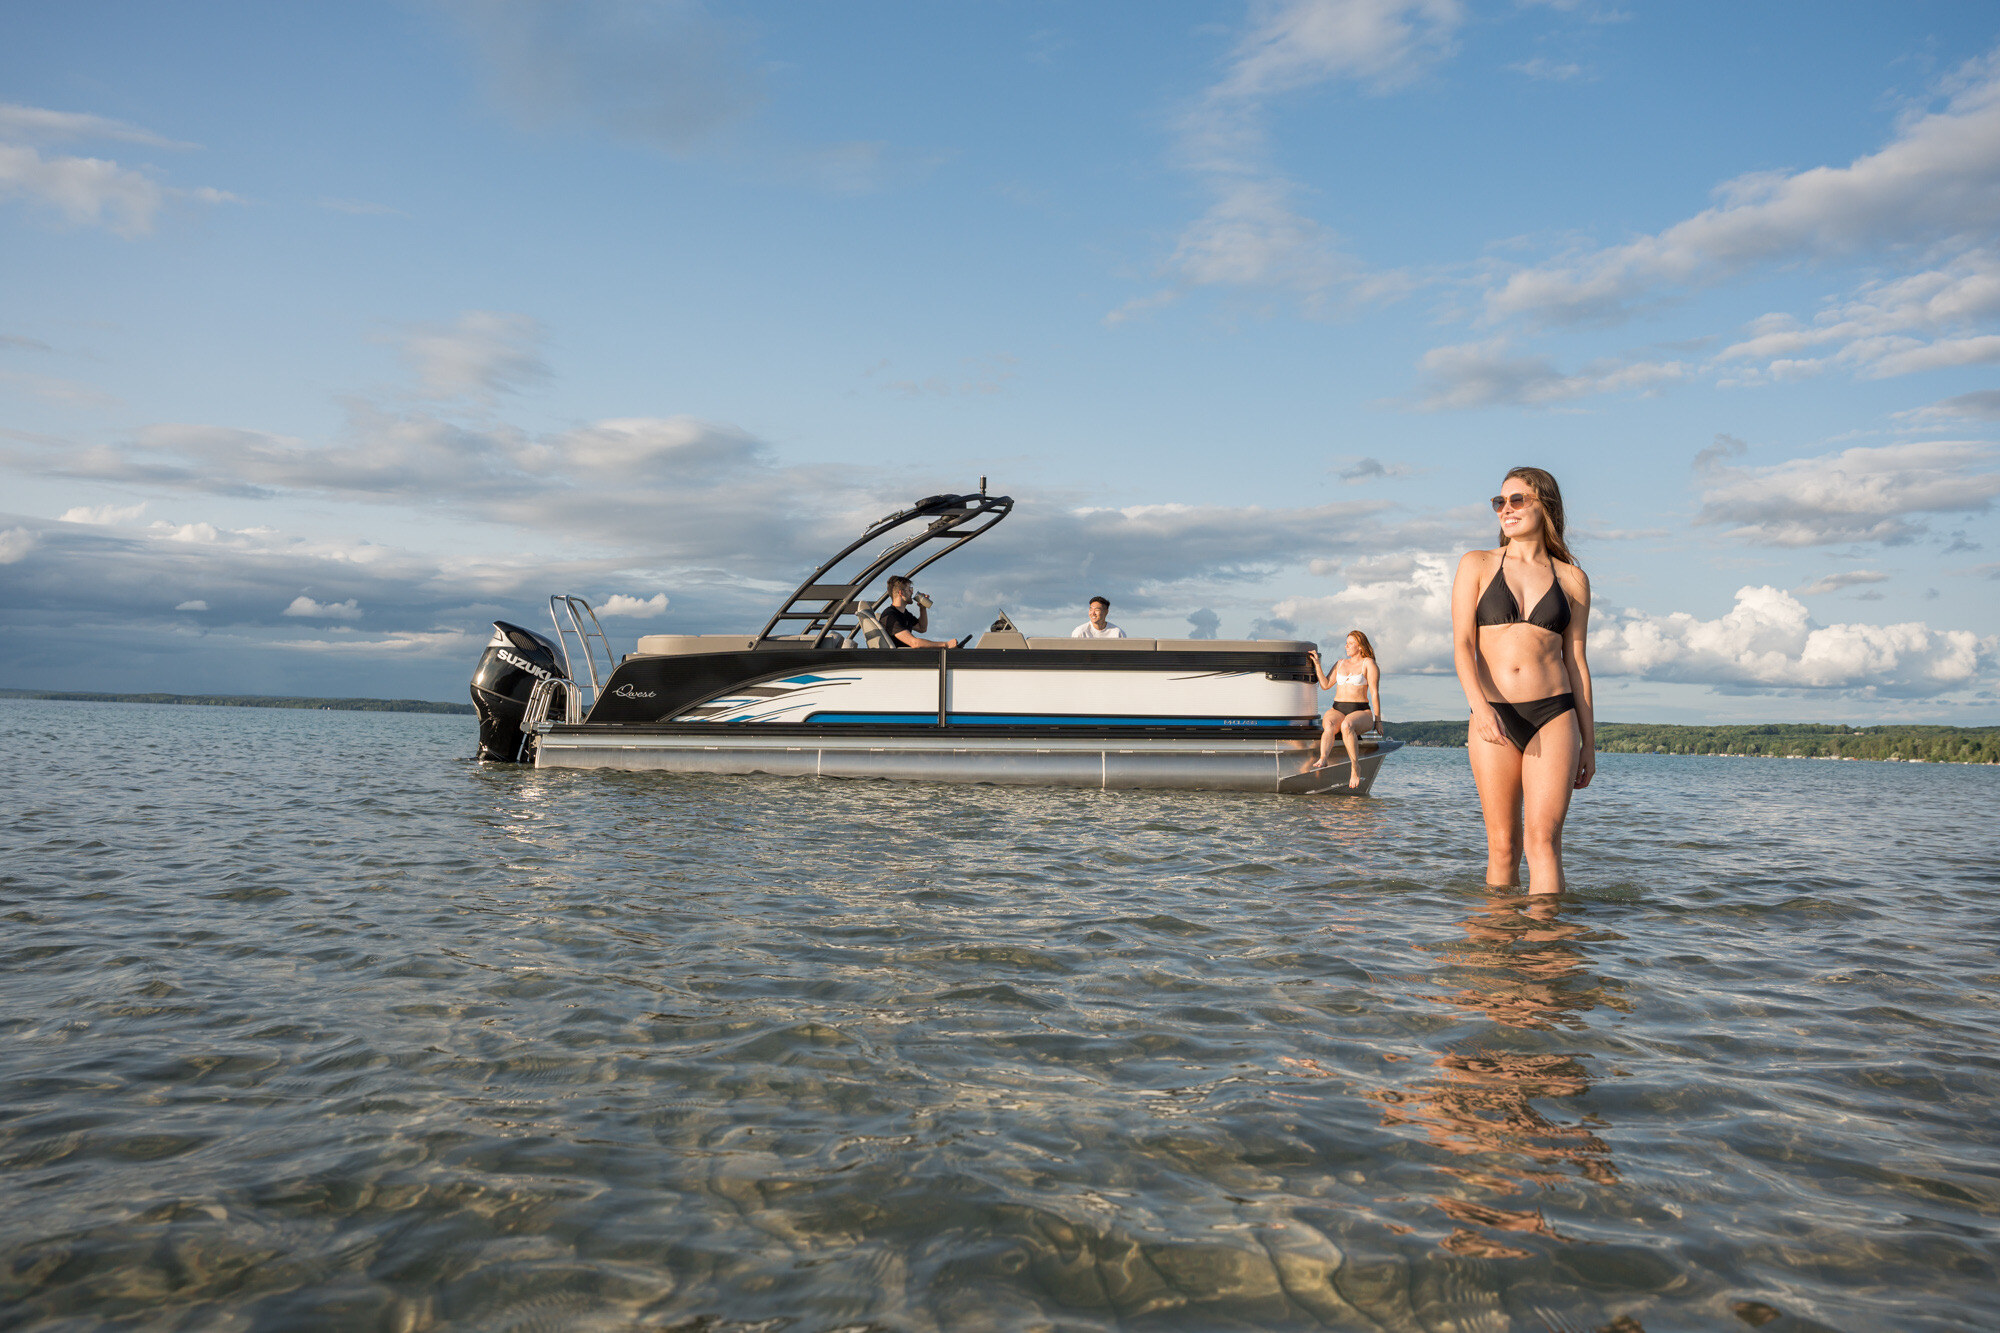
column 1357, row 701
column 1533, row 737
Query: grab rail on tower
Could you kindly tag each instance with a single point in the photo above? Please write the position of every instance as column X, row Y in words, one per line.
column 576, row 610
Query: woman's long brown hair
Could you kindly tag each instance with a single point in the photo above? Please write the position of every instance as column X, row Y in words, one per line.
column 1550, row 496
column 1367, row 648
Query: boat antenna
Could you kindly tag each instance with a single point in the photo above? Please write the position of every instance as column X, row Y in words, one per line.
column 982, row 485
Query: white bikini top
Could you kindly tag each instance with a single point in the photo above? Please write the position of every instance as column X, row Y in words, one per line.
column 1358, row 678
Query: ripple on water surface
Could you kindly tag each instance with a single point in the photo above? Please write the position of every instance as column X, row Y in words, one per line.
column 311, row 1023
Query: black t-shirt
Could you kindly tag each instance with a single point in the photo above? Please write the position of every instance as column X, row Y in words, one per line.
column 894, row 621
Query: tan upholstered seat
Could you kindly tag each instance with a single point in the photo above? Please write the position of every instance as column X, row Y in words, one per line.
column 674, row 645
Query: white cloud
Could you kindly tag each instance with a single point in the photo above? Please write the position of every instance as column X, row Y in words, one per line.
column 1381, row 43
column 1768, row 640
column 33, row 124
column 1835, row 582
column 443, row 643
column 1937, row 181
column 1863, row 494
column 1492, row 373
column 485, row 352
column 86, row 191
column 1253, row 235
column 194, row 605
column 618, row 604
column 1923, row 321
column 307, row 609
column 1401, row 600
column 15, row 543
column 104, row 515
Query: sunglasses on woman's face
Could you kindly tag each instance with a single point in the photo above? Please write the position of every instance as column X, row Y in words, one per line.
column 1518, row 500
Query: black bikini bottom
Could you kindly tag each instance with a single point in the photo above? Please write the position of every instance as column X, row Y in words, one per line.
column 1522, row 720
column 1346, row 708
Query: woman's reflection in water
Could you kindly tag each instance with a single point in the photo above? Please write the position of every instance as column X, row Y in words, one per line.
column 1525, row 968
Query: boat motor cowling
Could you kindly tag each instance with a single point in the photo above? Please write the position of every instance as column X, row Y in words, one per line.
column 515, row 660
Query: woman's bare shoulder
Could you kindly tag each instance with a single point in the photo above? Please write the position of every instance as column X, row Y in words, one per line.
column 1479, row 560
column 1573, row 578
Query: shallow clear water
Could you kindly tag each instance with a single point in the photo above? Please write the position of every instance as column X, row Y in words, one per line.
column 308, row 1022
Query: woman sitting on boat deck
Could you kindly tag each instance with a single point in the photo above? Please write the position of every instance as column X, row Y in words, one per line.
column 1518, row 643
column 1357, row 702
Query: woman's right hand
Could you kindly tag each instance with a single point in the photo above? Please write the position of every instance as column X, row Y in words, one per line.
column 1487, row 723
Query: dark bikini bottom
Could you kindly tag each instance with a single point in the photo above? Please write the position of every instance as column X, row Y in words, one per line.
column 1346, row 708
column 1522, row 720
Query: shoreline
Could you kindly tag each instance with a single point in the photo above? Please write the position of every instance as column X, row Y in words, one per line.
column 307, row 702
column 1914, row 743
column 1889, row 743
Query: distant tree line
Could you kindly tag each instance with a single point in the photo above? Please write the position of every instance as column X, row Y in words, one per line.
column 1937, row 745
column 247, row 701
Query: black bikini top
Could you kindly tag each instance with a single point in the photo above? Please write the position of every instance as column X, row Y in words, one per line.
column 1498, row 607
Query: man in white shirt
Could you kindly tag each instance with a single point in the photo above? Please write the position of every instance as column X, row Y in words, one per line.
column 1097, row 627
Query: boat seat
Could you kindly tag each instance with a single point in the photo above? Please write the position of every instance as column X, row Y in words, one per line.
column 1002, row 638
column 675, row 645
column 1235, row 645
column 872, row 633
column 1087, row 645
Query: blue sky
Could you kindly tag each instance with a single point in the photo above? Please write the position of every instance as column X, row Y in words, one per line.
column 328, row 334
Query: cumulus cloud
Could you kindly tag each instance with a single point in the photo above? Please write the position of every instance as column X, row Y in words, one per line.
column 305, row 608
column 1492, row 373
column 670, row 74
column 1936, row 182
column 618, row 604
column 1769, row 640
column 1862, row 494
column 15, row 543
column 1835, row 582
column 85, row 191
column 192, row 604
column 1401, row 600
column 482, row 353
column 104, row 515
column 1203, row 624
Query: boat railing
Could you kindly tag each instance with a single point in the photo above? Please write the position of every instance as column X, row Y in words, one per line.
column 576, row 611
column 540, row 700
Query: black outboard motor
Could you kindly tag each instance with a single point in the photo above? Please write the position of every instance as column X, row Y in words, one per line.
column 515, row 659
